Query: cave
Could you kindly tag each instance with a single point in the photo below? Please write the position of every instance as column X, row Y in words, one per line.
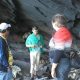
column 24, row 14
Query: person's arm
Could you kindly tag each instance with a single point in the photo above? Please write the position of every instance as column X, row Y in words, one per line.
column 29, row 45
column 54, row 65
column 42, row 40
column 51, row 43
column 4, row 52
column 53, row 70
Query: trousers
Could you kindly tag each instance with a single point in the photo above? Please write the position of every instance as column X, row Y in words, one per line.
column 34, row 61
column 6, row 75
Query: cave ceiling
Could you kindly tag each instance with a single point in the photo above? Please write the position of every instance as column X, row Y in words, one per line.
column 23, row 14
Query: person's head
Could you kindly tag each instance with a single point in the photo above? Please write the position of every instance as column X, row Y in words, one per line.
column 35, row 30
column 58, row 21
column 4, row 28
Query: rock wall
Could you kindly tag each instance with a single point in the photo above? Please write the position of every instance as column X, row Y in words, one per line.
column 23, row 14
column 27, row 13
column 7, row 9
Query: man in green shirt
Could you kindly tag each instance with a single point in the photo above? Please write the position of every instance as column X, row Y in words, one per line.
column 35, row 43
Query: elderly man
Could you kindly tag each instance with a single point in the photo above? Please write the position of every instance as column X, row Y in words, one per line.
column 5, row 69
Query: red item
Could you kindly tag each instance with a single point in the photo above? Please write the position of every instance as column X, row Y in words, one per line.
column 62, row 34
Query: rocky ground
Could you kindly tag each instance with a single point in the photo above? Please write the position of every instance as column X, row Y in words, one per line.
column 21, row 59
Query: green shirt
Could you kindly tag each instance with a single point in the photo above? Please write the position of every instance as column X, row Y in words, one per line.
column 35, row 40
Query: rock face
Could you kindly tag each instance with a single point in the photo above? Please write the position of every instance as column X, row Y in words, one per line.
column 7, row 9
column 39, row 12
column 23, row 14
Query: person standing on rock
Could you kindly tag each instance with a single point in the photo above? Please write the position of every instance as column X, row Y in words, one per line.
column 34, row 42
column 61, row 41
column 5, row 53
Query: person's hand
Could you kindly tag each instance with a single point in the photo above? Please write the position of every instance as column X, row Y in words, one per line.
column 41, row 46
column 32, row 46
column 53, row 73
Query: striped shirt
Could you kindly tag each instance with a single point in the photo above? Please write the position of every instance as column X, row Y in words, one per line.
column 62, row 39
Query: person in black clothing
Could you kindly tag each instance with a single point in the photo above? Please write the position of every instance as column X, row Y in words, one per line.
column 5, row 68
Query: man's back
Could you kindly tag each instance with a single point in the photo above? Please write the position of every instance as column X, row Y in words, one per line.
column 3, row 52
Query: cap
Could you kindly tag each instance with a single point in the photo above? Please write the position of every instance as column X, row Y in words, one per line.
column 4, row 26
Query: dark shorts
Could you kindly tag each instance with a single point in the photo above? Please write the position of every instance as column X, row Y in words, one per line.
column 63, row 67
column 56, row 55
